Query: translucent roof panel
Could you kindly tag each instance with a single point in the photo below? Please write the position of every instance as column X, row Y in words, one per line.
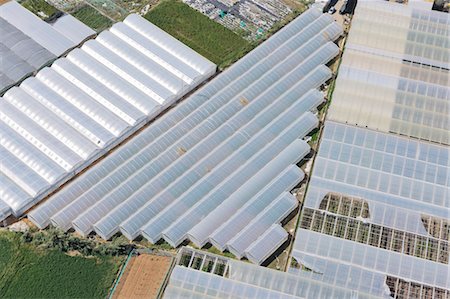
column 274, row 213
column 73, row 29
column 5, row 210
column 394, row 76
column 21, row 55
column 221, row 145
column 286, row 181
column 239, row 202
column 58, row 122
column 392, row 96
column 199, row 274
column 266, row 244
column 376, row 213
column 35, row 28
column 403, row 32
column 413, row 172
column 376, row 209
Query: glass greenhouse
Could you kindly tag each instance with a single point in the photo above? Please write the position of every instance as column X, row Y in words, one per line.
column 394, row 75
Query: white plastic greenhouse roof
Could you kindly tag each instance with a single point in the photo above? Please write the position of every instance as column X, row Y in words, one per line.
column 57, row 123
column 395, row 72
column 266, row 244
column 57, row 40
column 28, row 43
column 373, row 202
column 21, row 55
column 221, row 227
column 216, row 150
column 73, row 29
column 274, row 213
column 204, row 275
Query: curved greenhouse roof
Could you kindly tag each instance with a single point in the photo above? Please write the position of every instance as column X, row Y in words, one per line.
column 57, row 123
column 214, row 151
column 394, row 76
column 28, row 43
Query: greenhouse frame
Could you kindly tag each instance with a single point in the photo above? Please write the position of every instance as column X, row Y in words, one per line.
column 377, row 211
column 58, row 39
column 199, row 274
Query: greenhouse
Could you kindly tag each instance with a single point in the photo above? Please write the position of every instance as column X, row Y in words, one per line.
column 199, row 274
column 266, row 244
column 28, row 43
column 376, row 213
column 216, row 149
column 72, row 29
column 394, row 76
column 377, row 210
column 21, row 55
column 58, row 39
column 85, row 104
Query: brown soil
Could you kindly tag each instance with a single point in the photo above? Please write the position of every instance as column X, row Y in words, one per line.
column 143, row 277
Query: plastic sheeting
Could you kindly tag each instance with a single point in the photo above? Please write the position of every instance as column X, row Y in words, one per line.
column 21, row 55
column 243, row 280
column 73, row 29
column 395, row 73
column 405, row 183
column 60, row 121
column 274, row 213
column 266, row 244
column 234, row 125
column 38, row 30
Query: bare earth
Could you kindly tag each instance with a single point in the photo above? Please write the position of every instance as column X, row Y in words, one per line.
column 143, row 277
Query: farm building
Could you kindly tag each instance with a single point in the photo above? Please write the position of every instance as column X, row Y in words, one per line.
column 58, row 122
column 376, row 213
column 28, row 43
column 229, row 149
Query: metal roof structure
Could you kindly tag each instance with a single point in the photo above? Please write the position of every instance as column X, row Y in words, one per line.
column 198, row 274
column 394, row 75
column 57, row 123
column 190, row 171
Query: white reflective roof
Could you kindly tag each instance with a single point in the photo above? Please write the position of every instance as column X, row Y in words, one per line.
column 373, row 202
column 211, row 153
column 199, row 274
column 57, row 123
column 395, row 72
column 21, row 55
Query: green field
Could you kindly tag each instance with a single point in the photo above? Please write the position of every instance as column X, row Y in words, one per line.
column 212, row 40
column 41, row 8
column 92, row 18
column 29, row 272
